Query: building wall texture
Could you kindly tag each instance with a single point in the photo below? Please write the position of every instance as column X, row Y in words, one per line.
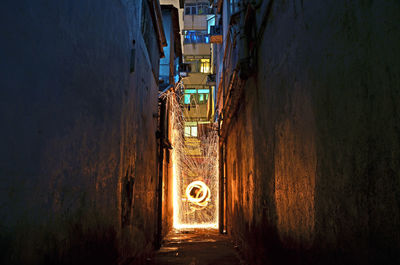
column 78, row 148
column 313, row 152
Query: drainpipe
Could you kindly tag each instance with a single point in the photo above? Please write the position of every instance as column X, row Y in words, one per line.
column 222, row 228
column 162, row 140
column 246, row 42
column 161, row 136
column 243, row 47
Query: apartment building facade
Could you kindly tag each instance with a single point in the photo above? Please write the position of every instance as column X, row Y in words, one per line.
column 197, row 98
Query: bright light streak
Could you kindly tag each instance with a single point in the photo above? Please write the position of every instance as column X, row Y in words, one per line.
column 191, row 226
column 201, row 192
column 175, row 192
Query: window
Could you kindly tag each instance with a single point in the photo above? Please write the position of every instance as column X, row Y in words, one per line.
column 191, row 131
column 198, row 9
column 186, row 99
column 233, row 6
column 201, row 65
column 205, row 66
column 190, row 9
column 196, row 96
column 187, row 10
column 190, row 99
column 203, row 98
column 203, row 8
column 206, row 91
column 187, row 131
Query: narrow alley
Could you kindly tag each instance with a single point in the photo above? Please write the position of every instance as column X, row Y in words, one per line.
column 200, row 132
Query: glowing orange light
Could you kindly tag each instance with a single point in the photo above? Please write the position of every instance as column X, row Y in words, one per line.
column 186, row 165
column 198, row 193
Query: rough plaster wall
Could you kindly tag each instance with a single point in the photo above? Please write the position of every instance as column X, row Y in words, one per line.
column 78, row 152
column 325, row 137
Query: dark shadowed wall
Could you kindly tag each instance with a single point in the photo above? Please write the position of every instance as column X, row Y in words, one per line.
column 313, row 155
column 77, row 139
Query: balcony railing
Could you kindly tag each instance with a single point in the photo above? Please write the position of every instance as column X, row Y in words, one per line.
column 198, row 9
column 195, row 36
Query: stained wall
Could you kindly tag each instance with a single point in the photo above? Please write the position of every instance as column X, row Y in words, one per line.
column 78, row 150
column 313, row 152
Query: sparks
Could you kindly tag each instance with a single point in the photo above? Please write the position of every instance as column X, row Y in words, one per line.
column 195, row 171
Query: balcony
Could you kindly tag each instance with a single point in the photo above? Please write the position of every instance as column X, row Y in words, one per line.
column 195, row 36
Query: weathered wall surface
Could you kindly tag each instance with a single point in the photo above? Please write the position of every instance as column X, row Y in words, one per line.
column 78, row 149
column 321, row 119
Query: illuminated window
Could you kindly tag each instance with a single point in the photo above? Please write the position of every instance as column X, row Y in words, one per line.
column 203, row 91
column 196, row 96
column 191, row 131
column 186, row 99
column 190, row 91
column 203, row 98
column 199, row 65
column 205, row 65
column 187, row 131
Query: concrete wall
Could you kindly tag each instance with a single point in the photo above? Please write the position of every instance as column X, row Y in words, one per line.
column 195, row 78
column 195, row 22
column 78, row 148
column 197, row 49
column 313, row 152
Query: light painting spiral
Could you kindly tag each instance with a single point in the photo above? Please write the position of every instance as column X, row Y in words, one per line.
column 198, row 193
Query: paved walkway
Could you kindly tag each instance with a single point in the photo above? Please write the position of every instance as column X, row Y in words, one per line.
column 200, row 247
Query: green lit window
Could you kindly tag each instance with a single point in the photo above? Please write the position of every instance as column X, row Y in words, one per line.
column 187, row 99
column 190, row 91
column 203, row 91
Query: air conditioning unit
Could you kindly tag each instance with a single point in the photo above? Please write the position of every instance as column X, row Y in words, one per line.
column 184, row 69
column 216, row 34
column 211, row 79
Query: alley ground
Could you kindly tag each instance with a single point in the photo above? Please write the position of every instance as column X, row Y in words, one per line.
column 200, row 247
